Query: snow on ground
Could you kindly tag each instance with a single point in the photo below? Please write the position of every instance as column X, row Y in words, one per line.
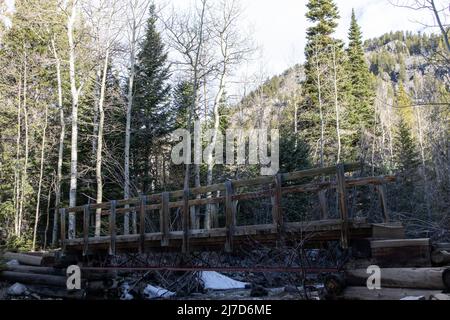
column 152, row 292
column 216, row 281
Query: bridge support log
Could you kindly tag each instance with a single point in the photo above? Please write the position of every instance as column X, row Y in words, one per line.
column 112, row 228
column 343, row 209
column 230, row 211
column 186, row 223
column 165, row 219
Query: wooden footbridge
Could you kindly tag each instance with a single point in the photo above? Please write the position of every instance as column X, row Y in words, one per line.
column 175, row 229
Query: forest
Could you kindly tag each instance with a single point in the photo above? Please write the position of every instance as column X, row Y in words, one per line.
column 91, row 90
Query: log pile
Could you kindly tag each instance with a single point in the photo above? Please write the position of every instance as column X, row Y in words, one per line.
column 406, row 272
column 41, row 279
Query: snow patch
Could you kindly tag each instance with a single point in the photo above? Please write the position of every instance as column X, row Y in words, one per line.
column 216, row 281
column 413, row 298
column 12, row 263
column 17, row 289
column 152, row 292
column 126, row 292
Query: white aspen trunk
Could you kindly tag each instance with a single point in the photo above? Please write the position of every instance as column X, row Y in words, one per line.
column 41, row 175
column 17, row 166
column 322, row 122
column 47, row 223
column 61, row 146
column 211, row 211
column 126, row 190
column 336, row 106
column 74, row 138
column 25, row 167
column 99, row 159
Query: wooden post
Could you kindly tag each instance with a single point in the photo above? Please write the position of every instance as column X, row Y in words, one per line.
column 230, row 212
column 85, row 229
column 165, row 219
column 142, row 223
column 112, row 228
column 381, row 189
column 343, row 210
column 186, row 214
column 277, row 209
column 63, row 229
column 323, row 204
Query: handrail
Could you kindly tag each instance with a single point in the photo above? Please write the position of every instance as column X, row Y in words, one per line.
column 285, row 177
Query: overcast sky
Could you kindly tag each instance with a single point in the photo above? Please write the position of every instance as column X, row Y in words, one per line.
column 280, row 25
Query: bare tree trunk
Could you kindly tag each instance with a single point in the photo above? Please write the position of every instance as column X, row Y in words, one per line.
column 128, row 125
column 211, row 211
column 25, row 167
column 336, row 106
column 74, row 140
column 62, row 135
column 17, row 166
column 99, row 159
column 41, row 175
column 47, row 223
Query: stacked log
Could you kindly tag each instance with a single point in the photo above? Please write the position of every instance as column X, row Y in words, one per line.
column 397, row 284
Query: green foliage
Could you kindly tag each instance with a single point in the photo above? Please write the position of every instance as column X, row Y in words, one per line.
column 152, row 117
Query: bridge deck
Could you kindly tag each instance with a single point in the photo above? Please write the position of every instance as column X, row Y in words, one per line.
column 228, row 195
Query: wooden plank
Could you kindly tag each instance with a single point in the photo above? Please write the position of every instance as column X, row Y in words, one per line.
column 230, row 214
column 112, row 228
column 63, row 229
column 381, row 190
column 385, row 294
column 165, row 219
column 142, row 223
column 388, row 231
column 400, row 243
column 342, row 198
column 277, row 209
column 186, row 222
column 86, row 229
column 402, row 253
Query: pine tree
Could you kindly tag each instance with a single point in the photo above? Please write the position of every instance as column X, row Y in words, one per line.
column 361, row 111
column 151, row 102
column 323, row 14
column 407, row 156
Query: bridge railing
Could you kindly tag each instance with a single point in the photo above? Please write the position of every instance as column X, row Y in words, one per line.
column 225, row 194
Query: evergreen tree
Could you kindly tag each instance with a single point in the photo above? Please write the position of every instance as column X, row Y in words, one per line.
column 152, row 112
column 323, row 14
column 360, row 113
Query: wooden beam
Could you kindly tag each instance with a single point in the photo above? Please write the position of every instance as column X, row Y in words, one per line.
column 112, row 228
column 63, row 229
column 343, row 210
column 277, row 209
column 186, row 222
column 86, row 230
column 230, row 214
column 381, row 190
column 142, row 223
column 324, row 213
column 165, row 219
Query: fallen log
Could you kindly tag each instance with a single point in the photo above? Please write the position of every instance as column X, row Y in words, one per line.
column 30, row 278
column 400, row 253
column 363, row 293
column 57, row 293
column 28, row 259
column 36, row 270
column 440, row 257
column 420, row 278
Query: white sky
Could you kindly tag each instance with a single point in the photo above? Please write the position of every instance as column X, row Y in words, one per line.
column 280, row 26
